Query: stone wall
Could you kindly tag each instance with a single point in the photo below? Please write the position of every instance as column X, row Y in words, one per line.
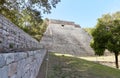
column 21, row 65
column 20, row 55
column 13, row 38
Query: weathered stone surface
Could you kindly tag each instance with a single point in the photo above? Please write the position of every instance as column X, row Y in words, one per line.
column 67, row 39
column 12, row 69
column 13, row 38
column 17, row 57
column 20, row 56
column 14, row 76
column 17, row 60
column 9, row 58
column 2, row 60
column 20, row 68
column 30, row 53
column 4, row 72
column 24, row 67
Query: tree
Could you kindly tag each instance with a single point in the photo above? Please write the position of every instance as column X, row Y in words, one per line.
column 13, row 9
column 106, row 35
column 27, row 14
column 34, row 26
column 44, row 6
column 89, row 30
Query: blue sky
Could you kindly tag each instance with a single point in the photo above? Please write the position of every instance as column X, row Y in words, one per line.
column 83, row 12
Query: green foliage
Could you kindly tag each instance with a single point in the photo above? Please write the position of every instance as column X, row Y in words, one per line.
column 27, row 14
column 41, row 6
column 36, row 31
column 106, row 35
column 89, row 30
column 40, row 30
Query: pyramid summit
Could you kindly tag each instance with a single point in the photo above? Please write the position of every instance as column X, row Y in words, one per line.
column 63, row 22
column 66, row 37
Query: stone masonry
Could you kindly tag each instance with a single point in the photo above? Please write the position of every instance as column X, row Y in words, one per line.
column 21, row 65
column 67, row 38
column 20, row 55
column 13, row 38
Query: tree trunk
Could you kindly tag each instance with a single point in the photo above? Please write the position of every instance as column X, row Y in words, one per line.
column 116, row 60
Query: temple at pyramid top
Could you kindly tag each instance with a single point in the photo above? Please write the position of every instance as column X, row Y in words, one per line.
column 62, row 22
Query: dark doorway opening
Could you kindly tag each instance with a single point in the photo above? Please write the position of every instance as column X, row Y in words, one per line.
column 62, row 25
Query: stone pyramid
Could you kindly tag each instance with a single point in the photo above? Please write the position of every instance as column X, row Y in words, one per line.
column 67, row 38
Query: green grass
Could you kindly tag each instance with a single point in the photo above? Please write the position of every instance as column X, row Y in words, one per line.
column 72, row 67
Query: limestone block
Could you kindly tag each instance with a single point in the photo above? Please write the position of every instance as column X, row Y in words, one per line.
column 12, row 69
column 4, row 72
column 4, row 27
column 30, row 53
column 9, row 57
column 1, row 31
column 4, row 32
column 20, row 68
column 23, row 55
column 27, row 75
column 27, row 67
column 14, row 76
column 2, row 60
column 17, row 57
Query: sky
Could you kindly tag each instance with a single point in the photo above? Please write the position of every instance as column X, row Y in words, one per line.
column 83, row 12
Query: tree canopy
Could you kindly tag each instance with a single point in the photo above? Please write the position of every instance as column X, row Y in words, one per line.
column 27, row 14
column 89, row 30
column 44, row 6
column 14, row 8
column 106, row 35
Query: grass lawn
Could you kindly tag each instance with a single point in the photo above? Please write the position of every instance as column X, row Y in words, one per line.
column 61, row 66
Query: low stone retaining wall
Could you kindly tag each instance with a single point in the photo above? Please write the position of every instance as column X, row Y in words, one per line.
column 21, row 65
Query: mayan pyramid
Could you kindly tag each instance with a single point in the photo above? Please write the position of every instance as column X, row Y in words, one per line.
column 67, row 38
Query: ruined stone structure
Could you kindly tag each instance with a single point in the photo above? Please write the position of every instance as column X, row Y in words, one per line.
column 67, row 38
column 20, row 55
